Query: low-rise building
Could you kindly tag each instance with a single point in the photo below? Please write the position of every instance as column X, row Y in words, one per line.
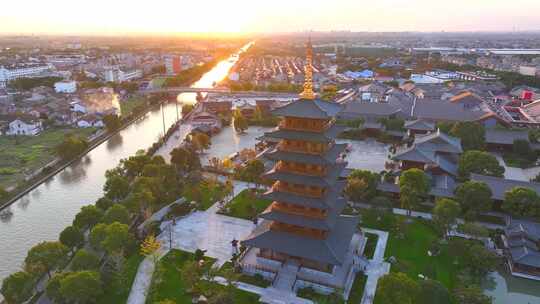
column 65, row 87
column 520, row 239
column 90, row 120
column 24, row 125
column 22, row 70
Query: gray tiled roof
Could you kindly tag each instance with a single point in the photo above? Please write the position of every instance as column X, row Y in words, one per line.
column 499, row 186
column 420, row 124
column 505, row 137
column 318, row 181
column 445, row 111
column 331, row 250
column 315, row 109
column 325, row 202
column 301, row 220
column 327, row 136
column 354, row 109
column 328, row 158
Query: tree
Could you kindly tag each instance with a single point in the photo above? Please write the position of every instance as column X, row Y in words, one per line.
column 240, row 123
column 185, row 159
column 522, row 148
column 81, row 287
column 521, row 201
column 474, row 198
column 253, row 171
column 104, row 203
column 117, row 237
column 117, row 213
column 474, row 229
column 116, row 187
column 432, row 292
column 186, row 109
column 414, row 186
column 71, row 237
column 397, row 288
column 471, row 295
column 472, row 135
column 97, row 235
column 362, row 185
column 71, row 147
column 445, row 213
column 4, row 194
column 44, row 256
column 536, row 179
column 112, row 122
column 17, row 287
column 191, row 275
column 84, row 260
column 200, row 141
column 53, row 287
column 150, row 247
column 480, row 163
column 88, row 217
column 478, row 260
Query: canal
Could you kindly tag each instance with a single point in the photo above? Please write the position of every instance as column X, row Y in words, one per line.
column 44, row 212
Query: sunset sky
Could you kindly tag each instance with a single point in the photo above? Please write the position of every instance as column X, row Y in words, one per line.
column 245, row 16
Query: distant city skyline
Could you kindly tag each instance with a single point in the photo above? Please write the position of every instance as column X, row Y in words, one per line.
column 242, row 16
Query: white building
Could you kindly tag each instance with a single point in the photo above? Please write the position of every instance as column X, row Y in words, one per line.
column 25, row 126
column 65, row 86
column 90, row 120
column 118, row 75
column 528, row 70
column 21, row 71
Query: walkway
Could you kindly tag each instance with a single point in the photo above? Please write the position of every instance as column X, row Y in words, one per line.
column 517, row 173
column 376, row 267
column 203, row 230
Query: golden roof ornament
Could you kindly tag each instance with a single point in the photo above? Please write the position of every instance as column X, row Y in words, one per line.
column 308, row 77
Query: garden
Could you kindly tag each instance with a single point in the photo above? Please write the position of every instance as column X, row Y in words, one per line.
column 247, row 204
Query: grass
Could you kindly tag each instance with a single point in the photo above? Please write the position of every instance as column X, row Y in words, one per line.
column 256, row 280
column 491, row 219
column 167, row 282
column 205, row 193
column 158, row 82
column 246, row 205
column 127, row 106
column 22, row 155
column 311, row 294
column 119, row 292
column 513, row 160
column 371, row 244
column 357, row 289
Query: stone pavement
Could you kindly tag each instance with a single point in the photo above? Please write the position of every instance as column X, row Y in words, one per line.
column 376, row 267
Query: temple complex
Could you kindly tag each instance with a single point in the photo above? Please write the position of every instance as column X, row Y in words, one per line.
column 303, row 240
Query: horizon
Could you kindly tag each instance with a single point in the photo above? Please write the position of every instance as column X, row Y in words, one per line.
column 239, row 17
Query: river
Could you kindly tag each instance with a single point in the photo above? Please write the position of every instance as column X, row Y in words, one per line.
column 44, row 212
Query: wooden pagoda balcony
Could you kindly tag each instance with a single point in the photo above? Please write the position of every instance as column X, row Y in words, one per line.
column 297, row 210
column 303, row 147
column 314, row 233
column 305, row 124
column 303, row 169
column 305, row 191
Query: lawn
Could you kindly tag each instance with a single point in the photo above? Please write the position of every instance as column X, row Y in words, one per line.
column 21, row 155
column 246, row 205
column 371, row 244
column 311, row 294
column 205, row 193
column 256, row 280
column 513, row 160
column 357, row 289
column 127, row 106
column 118, row 292
column 167, row 282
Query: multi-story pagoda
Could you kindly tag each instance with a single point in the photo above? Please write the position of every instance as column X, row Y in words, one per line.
column 303, row 225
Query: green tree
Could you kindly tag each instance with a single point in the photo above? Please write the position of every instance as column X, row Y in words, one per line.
column 97, row 235
column 185, row 159
column 88, row 217
column 414, row 186
column 471, row 295
column 432, row 292
column 17, row 287
column 478, row 260
column 472, row 135
column 474, row 198
column 81, row 287
column 84, row 260
column 112, row 122
column 362, row 185
column 480, row 163
column 117, row 213
column 474, row 229
column 521, row 201
column 117, row 237
column 240, row 123
column 71, row 237
column 445, row 213
column 200, row 141
column 53, row 287
column 397, row 288
column 71, row 147
column 43, row 257
column 104, row 203
column 116, row 187
column 522, row 148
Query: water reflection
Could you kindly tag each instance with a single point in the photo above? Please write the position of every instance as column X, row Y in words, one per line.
column 510, row 289
column 23, row 202
column 76, row 172
column 114, row 142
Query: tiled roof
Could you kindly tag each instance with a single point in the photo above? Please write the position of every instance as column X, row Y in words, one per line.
column 315, row 109
column 499, row 186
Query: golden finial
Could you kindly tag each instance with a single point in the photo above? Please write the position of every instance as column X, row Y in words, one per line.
column 308, row 78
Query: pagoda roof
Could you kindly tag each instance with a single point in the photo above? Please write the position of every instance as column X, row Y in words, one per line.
column 328, row 158
column 331, row 250
column 325, row 136
column 328, row 201
column 314, row 109
column 301, row 220
column 319, row 181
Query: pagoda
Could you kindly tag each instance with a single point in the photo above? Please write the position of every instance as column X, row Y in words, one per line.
column 303, row 225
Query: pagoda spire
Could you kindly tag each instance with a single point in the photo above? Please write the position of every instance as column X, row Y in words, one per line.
column 308, row 78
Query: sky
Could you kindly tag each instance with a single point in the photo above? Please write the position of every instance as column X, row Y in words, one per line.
column 249, row 16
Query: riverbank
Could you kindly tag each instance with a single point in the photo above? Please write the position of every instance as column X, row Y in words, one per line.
column 59, row 164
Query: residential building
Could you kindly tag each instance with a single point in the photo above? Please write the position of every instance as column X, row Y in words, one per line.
column 521, row 239
column 119, row 75
column 173, row 64
column 65, row 87
column 90, row 120
column 528, row 70
column 25, row 125
column 23, row 70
